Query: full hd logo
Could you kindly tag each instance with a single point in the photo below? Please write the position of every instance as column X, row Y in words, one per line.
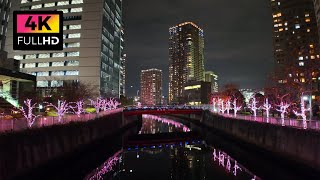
column 37, row 30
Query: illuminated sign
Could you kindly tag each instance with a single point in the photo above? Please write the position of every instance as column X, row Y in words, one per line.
column 192, row 87
column 37, row 30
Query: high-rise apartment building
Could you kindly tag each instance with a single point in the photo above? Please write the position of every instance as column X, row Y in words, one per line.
column 317, row 11
column 213, row 79
column 123, row 65
column 151, row 87
column 186, row 58
column 296, row 42
column 5, row 6
column 92, row 45
column 123, row 75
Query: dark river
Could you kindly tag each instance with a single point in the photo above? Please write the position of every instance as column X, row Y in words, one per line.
column 167, row 149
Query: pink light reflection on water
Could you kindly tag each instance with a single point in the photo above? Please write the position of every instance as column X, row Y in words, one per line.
column 167, row 121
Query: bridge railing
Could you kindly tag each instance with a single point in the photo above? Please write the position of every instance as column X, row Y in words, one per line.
column 178, row 107
column 296, row 123
column 21, row 124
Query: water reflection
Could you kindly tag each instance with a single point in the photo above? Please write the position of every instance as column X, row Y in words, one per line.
column 179, row 160
column 155, row 124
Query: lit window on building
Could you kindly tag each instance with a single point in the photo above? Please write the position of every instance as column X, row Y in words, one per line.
column 49, row 4
column 31, row 56
column 30, row 65
column 60, row 54
column 46, row 73
column 72, row 63
column 45, row 55
column 63, row 3
column 76, row 9
column 73, row 54
column 57, row 64
column 72, row 73
column 42, row 83
column 69, row 45
column 56, row 83
column 75, row 35
column 57, row 73
column 297, row 26
column 43, row 64
column 78, row 26
column 38, row 6
column 76, row 1
column 301, row 63
column 18, row 57
column 64, row 10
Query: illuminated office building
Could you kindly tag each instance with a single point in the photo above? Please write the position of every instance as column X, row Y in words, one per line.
column 186, row 58
column 92, row 45
column 151, row 87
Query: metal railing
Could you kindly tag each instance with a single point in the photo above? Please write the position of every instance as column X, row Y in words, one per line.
column 295, row 123
column 21, row 124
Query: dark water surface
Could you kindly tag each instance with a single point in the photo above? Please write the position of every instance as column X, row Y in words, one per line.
column 174, row 155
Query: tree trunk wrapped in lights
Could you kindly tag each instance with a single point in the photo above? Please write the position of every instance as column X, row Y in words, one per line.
column 28, row 112
column 303, row 112
column 79, row 108
column 253, row 106
column 235, row 107
column 61, row 108
column 283, row 107
column 267, row 106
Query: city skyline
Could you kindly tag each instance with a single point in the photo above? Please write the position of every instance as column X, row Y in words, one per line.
column 225, row 53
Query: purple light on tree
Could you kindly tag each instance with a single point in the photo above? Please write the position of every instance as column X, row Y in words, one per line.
column 303, row 112
column 235, row 168
column 104, row 105
column 253, row 106
column 113, row 104
column 221, row 106
column 283, row 110
column 97, row 104
column 79, row 108
column 214, row 103
column 61, row 108
column 28, row 111
column 228, row 106
column 266, row 106
column 235, row 107
column 228, row 164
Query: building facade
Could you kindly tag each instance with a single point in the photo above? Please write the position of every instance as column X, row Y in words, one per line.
column 151, row 87
column 5, row 7
column 92, row 45
column 211, row 77
column 296, row 43
column 197, row 92
column 186, row 58
column 317, row 12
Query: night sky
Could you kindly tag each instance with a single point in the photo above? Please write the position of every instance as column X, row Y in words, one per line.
column 238, row 38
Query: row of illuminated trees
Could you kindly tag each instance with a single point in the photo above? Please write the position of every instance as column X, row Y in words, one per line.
column 62, row 107
column 232, row 100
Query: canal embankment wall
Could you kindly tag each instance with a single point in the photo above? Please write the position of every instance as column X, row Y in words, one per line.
column 301, row 145
column 24, row 150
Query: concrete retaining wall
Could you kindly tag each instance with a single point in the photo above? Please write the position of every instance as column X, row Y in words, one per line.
column 297, row 144
column 20, row 151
